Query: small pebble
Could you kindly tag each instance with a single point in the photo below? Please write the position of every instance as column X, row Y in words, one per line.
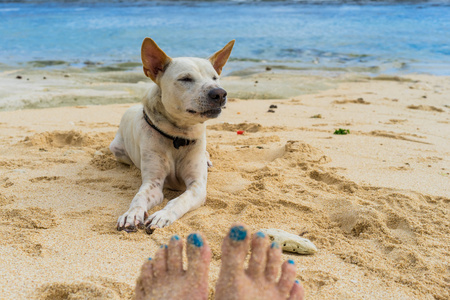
column 18, row 77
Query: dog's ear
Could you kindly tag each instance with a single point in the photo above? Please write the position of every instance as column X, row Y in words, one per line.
column 154, row 59
column 219, row 59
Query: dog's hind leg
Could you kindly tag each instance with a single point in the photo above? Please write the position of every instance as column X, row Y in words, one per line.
column 117, row 147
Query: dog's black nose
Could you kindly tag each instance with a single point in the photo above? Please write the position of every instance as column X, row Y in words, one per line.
column 218, row 95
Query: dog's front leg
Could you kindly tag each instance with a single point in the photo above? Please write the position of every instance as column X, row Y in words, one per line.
column 154, row 172
column 192, row 198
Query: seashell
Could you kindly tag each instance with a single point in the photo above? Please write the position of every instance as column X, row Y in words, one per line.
column 290, row 242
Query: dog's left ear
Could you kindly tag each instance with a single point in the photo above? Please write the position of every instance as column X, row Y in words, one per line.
column 219, row 59
column 154, row 59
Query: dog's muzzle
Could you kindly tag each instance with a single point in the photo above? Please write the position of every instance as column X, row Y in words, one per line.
column 217, row 98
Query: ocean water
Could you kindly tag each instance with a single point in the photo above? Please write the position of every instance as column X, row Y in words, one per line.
column 359, row 36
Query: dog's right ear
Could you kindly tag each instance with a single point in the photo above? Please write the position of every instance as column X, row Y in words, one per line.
column 154, row 59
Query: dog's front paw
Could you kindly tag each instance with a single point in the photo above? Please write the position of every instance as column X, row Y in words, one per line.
column 132, row 219
column 160, row 219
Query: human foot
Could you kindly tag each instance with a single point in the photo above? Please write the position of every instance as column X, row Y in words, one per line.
column 164, row 276
column 259, row 280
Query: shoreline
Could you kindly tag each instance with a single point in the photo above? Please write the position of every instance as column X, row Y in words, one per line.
column 375, row 202
column 32, row 88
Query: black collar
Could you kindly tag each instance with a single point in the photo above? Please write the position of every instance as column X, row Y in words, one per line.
column 177, row 141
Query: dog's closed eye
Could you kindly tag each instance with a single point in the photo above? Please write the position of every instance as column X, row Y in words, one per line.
column 186, row 79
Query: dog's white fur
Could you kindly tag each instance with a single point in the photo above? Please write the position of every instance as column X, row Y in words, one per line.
column 178, row 104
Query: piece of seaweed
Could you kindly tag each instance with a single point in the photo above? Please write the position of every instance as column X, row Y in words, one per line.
column 342, row 131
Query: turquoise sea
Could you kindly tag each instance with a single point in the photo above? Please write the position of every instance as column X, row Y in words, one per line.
column 342, row 35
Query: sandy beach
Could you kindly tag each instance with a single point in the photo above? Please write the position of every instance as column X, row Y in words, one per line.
column 375, row 202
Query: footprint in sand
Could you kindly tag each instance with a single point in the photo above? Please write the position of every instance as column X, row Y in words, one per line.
column 93, row 288
column 340, row 183
column 84, row 290
column 72, row 138
column 59, row 139
column 355, row 219
column 315, row 280
column 19, row 226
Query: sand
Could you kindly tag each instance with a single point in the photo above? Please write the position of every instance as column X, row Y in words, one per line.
column 375, row 202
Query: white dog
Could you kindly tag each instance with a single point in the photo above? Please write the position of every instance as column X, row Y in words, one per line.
column 165, row 136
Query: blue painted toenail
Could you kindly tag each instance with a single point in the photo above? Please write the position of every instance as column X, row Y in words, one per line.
column 149, row 258
column 175, row 238
column 238, row 233
column 260, row 234
column 297, row 282
column 274, row 245
column 195, row 239
column 291, row 261
column 163, row 246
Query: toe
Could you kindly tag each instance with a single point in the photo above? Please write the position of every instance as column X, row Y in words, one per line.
column 198, row 255
column 160, row 262
column 121, row 222
column 149, row 229
column 257, row 262
column 139, row 220
column 175, row 256
column 144, row 281
column 297, row 292
column 129, row 228
column 234, row 249
column 273, row 262
column 287, row 278
column 161, row 219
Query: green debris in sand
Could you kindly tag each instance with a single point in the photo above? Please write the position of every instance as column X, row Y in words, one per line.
column 318, row 116
column 342, row 131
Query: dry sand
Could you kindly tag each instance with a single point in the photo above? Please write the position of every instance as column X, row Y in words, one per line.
column 375, row 202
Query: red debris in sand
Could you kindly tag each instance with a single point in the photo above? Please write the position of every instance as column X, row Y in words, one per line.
column 240, row 132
